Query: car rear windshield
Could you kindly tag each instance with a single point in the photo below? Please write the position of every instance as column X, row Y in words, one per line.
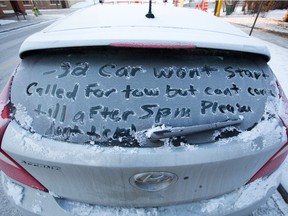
column 113, row 96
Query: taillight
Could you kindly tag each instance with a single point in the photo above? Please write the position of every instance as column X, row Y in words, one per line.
column 9, row 166
column 5, row 108
column 278, row 158
column 153, row 45
column 273, row 163
column 12, row 169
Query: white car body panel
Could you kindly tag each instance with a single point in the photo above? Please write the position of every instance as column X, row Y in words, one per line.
column 96, row 26
column 203, row 169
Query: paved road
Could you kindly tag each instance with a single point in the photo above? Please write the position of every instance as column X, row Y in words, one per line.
column 10, row 44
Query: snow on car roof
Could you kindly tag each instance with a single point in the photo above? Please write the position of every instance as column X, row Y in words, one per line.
column 126, row 24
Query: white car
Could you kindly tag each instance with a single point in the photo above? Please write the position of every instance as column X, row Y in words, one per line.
column 119, row 111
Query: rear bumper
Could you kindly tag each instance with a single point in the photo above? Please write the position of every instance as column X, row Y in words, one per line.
column 239, row 202
column 133, row 177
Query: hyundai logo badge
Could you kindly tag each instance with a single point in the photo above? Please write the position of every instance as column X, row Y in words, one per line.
column 153, row 181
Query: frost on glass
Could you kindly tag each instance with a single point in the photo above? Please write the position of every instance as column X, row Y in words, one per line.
column 115, row 98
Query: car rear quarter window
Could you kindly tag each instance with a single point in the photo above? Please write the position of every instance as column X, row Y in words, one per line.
column 108, row 95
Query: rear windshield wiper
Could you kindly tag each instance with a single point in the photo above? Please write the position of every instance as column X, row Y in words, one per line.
column 160, row 133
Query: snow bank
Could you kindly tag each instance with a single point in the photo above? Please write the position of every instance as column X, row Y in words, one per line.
column 276, row 14
column 4, row 22
column 271, row 20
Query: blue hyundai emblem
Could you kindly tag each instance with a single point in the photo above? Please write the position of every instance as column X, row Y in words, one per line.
column 153, row 181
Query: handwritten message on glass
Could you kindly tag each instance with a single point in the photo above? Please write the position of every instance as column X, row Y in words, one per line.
column 105, row 100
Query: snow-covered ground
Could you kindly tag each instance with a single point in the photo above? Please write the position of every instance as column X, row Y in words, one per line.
column 4, row 22
column 271, row 20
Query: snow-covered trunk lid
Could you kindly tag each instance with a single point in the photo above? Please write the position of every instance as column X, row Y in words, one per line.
column 123, row 97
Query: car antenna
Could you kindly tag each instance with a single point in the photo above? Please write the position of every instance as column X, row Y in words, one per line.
column 150, row 15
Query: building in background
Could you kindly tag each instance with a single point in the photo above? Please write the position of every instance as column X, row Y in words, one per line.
column 22, row 6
